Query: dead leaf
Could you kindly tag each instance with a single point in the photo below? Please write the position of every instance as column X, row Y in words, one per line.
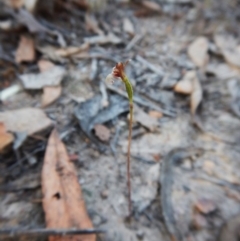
column 25, row 51
column 205, row 206
column 198, row 51
column 50, row 94
column 45, row 65
column 49, row 52
column 229, row 49
column 222, row 71
column 190, row 85
column 51, row 77
column 184, row 86
column 102, row 132
column 103, row 39
column 29, row 120
column 27, row 19
column 128, row 26
column 151, row 6
column 144, row 119
column 5, row 138
column 63, row 202
column 155, row 114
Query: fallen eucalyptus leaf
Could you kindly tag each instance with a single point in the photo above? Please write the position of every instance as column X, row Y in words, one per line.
column 184, row 86
column 229, row 48
column 26, row 50
column 50, row 94
column 190, row 85
column 222, row 71
column 51, row 77
column 45, row 65
column 63, row 201
column 5, row 138
column 29, row 120
column 198, row 51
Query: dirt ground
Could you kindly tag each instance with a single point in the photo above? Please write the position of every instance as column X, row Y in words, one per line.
column 185, row 152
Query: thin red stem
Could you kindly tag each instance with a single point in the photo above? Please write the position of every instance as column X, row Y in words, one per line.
column 128, row 159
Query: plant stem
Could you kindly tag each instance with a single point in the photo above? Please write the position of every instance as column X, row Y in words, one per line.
column 128, row 158
column 130, row 97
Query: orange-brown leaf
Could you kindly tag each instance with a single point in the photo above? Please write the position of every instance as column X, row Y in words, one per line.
column 63, row 202
column 25, row 51
column 5, row 138
column 50, row 94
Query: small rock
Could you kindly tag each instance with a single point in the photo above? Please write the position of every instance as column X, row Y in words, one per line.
column 104, row 194
column 102, row 132
column 140, row 234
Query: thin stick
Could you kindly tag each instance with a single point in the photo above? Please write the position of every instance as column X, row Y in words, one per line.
column 43, row 231
column 128, row 158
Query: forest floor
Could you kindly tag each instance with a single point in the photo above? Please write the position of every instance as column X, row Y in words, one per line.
column 185, row 153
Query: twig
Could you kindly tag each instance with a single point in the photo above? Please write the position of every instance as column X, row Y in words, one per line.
column 94, row 69
column 42, row 231
column 104, row 101
column 152, row 67
column 133, row 42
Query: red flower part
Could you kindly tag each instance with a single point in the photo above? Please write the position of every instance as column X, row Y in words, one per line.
column 118, row 70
